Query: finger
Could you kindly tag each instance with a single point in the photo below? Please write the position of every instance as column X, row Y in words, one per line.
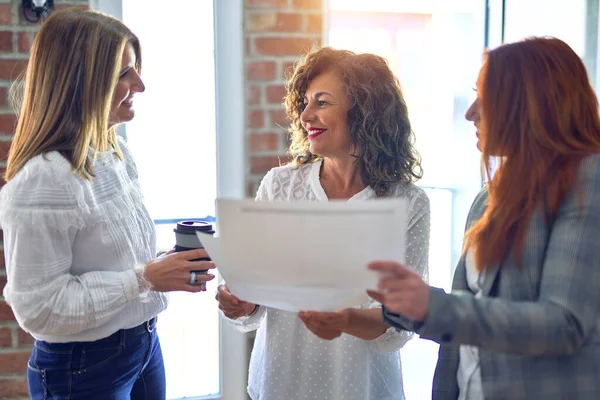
column 309, row 317
column 199, row 265
column 378, row 297
column 389, row 267
column 318, row 314
column 225, row 295
column 311, row 327
column 201, row 285
column 204, row 277
column 389, row 283
column 398, row 297
column 222, row 288
column 193, row 254
column 330, row 335
column 330, row 317
column 303, row 317
column 321, row 321
column 326, row 334
column 396, row 305
column 322, row 315
column 318, row 323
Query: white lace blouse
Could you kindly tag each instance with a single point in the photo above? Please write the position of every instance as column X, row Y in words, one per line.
column 290, row 362
column 71, row 246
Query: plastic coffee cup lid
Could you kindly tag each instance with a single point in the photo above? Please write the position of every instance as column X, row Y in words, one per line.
column 191, row 226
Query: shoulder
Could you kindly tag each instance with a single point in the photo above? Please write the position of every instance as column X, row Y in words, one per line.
column 47, row 172
column 416, row 196
column 585, row 194
column 43, row 190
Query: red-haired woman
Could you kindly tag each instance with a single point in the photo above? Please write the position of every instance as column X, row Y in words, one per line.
column 522, row 321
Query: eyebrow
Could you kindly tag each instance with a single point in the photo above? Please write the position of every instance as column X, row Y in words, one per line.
column 319, row 94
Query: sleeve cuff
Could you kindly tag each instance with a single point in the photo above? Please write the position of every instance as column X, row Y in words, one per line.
column 248, row 323
column 130, row 285
column 391, row 340
column 400, row 321
column 441, row 322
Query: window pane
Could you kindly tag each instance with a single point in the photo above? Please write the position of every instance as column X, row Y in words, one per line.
column 173, row 134
column 563, row 19
column 575, row 22
column 173, row 141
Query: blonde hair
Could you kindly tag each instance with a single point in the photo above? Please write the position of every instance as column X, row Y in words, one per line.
column 68, row 89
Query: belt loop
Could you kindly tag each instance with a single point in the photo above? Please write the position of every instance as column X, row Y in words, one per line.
column 151, row 325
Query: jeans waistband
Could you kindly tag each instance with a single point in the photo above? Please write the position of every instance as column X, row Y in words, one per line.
column 119, row 336
column 144, row 327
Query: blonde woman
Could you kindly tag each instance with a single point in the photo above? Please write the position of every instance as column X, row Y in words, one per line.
column 78, row 241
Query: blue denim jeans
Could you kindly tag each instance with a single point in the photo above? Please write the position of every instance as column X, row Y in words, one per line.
column 126, row 365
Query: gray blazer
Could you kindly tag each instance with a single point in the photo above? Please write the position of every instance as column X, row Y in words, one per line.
column 538, row 326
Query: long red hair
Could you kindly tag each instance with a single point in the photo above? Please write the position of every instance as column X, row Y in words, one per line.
column 539, row 114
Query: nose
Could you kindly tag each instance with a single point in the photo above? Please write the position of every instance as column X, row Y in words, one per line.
column 472, row 113
column 137, row 84
column 307, row 115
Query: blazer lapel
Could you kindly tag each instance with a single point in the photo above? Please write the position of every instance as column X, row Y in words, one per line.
column 489, row 274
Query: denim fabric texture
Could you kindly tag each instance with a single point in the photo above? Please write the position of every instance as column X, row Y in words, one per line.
column 126, row 365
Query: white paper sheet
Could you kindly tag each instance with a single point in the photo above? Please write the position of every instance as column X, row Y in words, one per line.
column 305, row 255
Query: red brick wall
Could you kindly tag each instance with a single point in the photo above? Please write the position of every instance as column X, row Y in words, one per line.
column 15, row 39
column 277, row 32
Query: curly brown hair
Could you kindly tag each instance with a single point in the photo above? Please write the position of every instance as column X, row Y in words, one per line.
column 378, row 121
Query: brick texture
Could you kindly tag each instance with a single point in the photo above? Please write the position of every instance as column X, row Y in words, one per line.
column 16, row 35
column 13, row 388
column 277, row 33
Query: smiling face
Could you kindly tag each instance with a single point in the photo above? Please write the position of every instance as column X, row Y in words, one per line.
column 129, row 84
column 475, row 114
column 325, row 116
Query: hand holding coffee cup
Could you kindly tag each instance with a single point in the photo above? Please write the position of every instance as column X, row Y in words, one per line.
column 186, row 239
column 171, row 272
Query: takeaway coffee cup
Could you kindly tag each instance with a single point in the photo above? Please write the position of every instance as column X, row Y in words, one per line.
column 186, row 239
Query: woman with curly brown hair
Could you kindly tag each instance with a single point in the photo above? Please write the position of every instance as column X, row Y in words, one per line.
column 350, row 139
